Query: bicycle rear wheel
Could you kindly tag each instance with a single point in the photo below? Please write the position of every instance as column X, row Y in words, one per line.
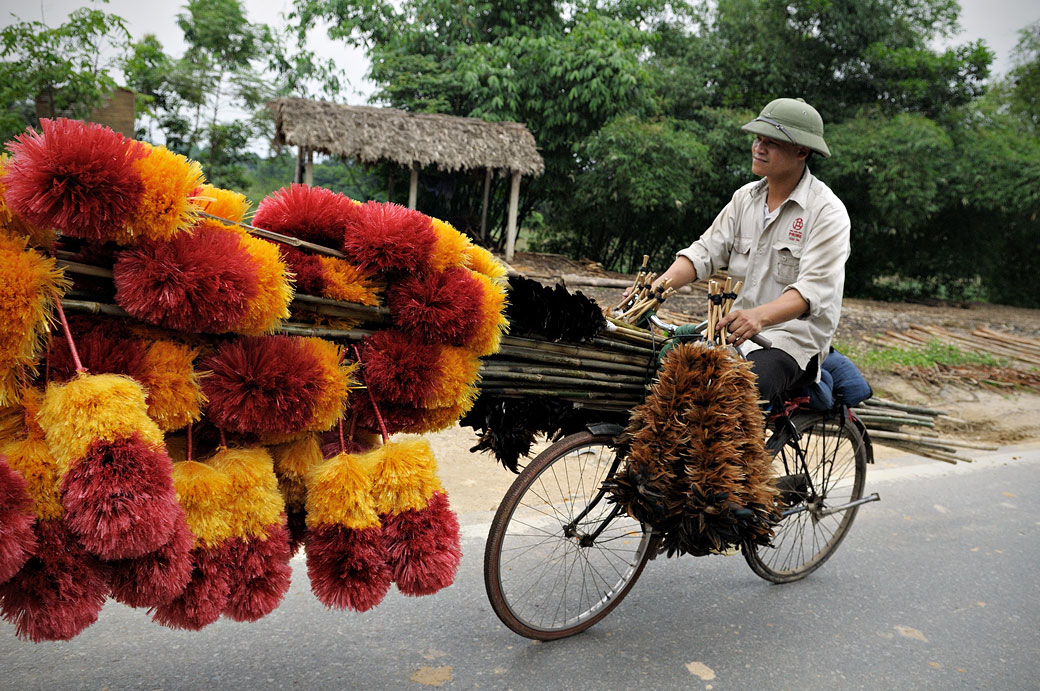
column 822, row 469
column 559, row 555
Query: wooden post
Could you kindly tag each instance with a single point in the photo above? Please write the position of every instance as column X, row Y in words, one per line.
column 413, row 187
column 308, row 171
column 484, row 206
column 298, row 175
column 514, row 201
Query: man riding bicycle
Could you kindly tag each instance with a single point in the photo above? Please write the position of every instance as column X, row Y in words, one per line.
column 786, row 236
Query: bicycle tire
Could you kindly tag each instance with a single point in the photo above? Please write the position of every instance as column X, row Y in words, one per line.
column 542, row 583
column 806, row 538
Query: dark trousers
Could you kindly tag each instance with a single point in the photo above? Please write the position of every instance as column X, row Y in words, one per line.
column 778, row 372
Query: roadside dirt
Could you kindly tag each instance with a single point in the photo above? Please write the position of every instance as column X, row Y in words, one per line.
column 476, row 482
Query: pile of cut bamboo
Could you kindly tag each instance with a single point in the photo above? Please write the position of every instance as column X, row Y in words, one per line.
column 981, row 340
column 886, row 419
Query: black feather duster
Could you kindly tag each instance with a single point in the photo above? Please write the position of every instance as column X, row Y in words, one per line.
column 507, row 427
column 552, row 313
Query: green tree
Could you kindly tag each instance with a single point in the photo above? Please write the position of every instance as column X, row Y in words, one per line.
column 63, row 62
column 633, row 191
column 843, row 54
column 1025, row 75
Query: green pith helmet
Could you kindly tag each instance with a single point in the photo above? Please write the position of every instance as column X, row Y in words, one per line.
column 791, row 120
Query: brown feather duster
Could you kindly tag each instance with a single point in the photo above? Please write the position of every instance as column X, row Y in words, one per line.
column 697, row 470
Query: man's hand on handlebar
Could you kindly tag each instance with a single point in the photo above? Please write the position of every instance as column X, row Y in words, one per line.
column 742, row 325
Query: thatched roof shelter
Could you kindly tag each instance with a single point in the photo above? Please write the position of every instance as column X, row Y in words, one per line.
column 371, row 135
column 411, row 140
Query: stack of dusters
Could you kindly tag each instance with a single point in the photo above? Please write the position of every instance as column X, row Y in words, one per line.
column 220, row 393
column 697, row 469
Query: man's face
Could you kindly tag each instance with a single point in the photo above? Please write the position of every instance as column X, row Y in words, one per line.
column 771, row 157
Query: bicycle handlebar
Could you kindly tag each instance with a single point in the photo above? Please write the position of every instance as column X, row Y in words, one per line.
column 757, row 339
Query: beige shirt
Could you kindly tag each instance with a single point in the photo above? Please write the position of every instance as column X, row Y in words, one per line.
column 802, row 246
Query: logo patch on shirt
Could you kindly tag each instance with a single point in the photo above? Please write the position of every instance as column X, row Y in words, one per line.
column 795, row 233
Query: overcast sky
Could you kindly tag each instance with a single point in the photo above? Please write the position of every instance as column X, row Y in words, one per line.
column 996, row 21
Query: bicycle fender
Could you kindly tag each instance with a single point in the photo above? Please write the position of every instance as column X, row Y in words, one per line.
column 869, row 445
column 611, row 428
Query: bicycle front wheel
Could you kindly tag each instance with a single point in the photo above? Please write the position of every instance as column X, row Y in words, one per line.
column 822, row 470
column 560, row 556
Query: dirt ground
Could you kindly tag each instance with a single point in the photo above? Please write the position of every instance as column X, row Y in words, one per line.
column 476, row 482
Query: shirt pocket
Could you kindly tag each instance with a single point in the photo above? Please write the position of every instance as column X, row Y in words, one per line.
column 738, row 257
column 787, row 260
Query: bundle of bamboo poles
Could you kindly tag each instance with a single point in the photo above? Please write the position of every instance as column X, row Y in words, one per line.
column 608, row 374
column 885, row 422
column 720, row 302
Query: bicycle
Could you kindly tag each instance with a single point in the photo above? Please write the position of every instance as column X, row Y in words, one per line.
column 560, row 556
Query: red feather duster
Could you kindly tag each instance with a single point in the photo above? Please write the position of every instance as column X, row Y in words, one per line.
column 158, row 576
column 103, row 346
column 388, row 238
column 262, row 385
column 261, row 574
column 17, row 539
column 59, row 592
column 440, row 308
column 347, row 567
column 399, row 370
column 198, row 282
column 423, row 547
column 119, row 499
column 310, row 272
column 206, row 595
column 76, row 176
column 314, row 214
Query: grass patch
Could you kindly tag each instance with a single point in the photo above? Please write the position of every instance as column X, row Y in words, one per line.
column 935, row 352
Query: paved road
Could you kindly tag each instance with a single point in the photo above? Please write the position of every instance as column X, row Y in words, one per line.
column 936, row 587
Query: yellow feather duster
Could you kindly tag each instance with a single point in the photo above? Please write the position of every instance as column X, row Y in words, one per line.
column 255, row 502
column 90, row 407
column 271, row 306
column 174, row 395
column 438, row 419
column 461, row 368
column 14, row 224
column 165, row 209
column 292, row 462
column 336, row 381
column 11, row 425
column 29, row 282
column 450, row 246
column 28, row 455
column 493, row 323
column 220, row 202
column 405, row 476
column 339, row 492
column 348, row 283
column 483, row 262
column 204, row 493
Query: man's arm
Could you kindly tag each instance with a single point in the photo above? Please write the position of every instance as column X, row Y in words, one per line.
column 680, row 272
